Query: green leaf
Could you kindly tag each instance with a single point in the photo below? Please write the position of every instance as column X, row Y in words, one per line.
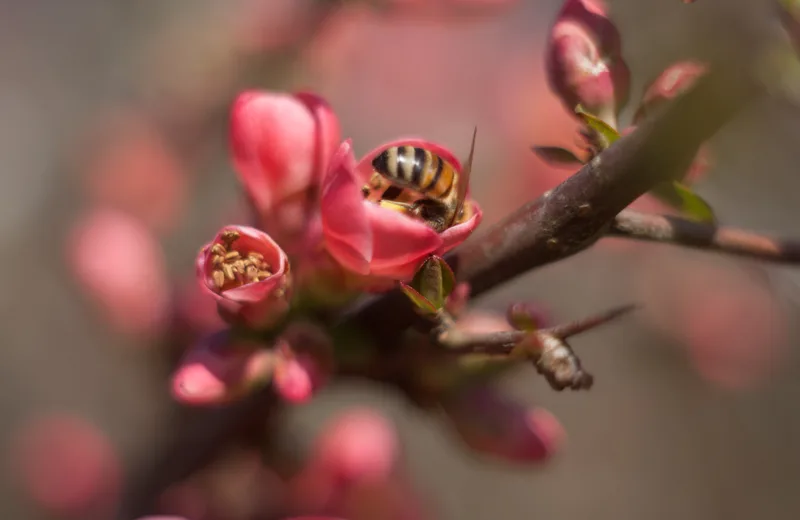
column 422, row 304
column 524, row 316
column 557, row 156
column 606, row 132
column 681, row 197
column 434, row 281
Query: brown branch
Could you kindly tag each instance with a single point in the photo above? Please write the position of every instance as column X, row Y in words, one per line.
column 682, row 232
column 579, row 211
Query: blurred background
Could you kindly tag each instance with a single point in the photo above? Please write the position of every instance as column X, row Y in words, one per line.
column 114, row 145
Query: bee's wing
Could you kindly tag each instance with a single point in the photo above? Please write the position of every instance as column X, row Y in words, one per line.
column 463, row 179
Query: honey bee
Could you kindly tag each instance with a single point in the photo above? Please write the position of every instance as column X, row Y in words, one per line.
column 418, row 182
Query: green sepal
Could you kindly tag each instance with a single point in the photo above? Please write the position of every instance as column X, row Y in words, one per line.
column 422, row 304
column 682, row 198
column 434, row 281
column 557, row 156
column 607, row 133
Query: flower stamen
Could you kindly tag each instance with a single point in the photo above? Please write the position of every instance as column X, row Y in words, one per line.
column 233, row 268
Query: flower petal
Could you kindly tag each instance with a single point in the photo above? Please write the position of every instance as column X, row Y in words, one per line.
column 273, row 139
column 455, row 235
column 400, row 242
column 345, row 225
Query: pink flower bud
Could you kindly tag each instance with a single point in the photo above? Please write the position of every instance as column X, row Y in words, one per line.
column 67, row 466
column 674, row 81
column 119, row 263
column 492, row 424
column 584, row 60
column 281, row 144
column 304, row 362
column 219, row 370
column 248, row 275
column 369, row 239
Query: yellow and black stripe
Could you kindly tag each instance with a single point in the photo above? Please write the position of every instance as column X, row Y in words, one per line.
column 417, row 169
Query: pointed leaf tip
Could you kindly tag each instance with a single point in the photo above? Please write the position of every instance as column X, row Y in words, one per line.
column 682, row 198
column 557, row 156
column 422, row 304
column 607, row 132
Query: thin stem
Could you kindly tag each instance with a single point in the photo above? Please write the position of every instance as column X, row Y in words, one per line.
column 687, row 233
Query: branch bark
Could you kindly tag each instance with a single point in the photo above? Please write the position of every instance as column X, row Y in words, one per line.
column 687, row 233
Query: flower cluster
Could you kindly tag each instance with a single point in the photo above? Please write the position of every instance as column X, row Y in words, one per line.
column 315, row 233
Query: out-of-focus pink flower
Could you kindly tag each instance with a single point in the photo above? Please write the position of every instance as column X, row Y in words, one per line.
column 492, row 424
column 358, row 445
column 730, row 322
column 304, row 361
column 128, row 165
column 372, row 240
column 674, row 81
column 281, row 146
column 248, row 275
column 357, row 448
column 67, row 466
column 584, row 61
column 119, row 263
column 219, row 369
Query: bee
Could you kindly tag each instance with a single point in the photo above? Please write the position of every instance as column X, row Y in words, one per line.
column 416, row 181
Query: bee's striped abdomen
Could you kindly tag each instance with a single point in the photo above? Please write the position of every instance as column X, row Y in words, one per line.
column 416, row 168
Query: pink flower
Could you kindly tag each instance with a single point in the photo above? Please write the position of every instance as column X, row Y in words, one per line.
column 372, row 240
column 219, row 370
column 281, row 145
column 584, row 62
column 67, row 465
column 674, row 81
column 358, row 445
column 248, row 275
column 129, row 165
column 304, row 362
column 492, row 424
column 120, row 264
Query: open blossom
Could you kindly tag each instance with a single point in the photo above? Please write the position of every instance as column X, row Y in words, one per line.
column 281, row 145
column 584, row 60
column 248, row 275
column 369, row 239
column 220, row 369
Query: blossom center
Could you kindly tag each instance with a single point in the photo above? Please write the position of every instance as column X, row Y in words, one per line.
column 233, row 268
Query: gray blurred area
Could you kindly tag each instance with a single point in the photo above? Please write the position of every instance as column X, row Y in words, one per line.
column 652, row 440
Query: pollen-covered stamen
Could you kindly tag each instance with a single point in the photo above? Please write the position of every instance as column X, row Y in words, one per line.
column 233, row 268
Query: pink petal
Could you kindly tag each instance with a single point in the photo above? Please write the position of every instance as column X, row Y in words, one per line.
column 455, row 235
column 399, row 241
column 358, row 445
column 293, row 381
column 345, row 225
column 121, row 265
column 328, row 132
column 273, row 139
column 215, row 371
column 364, row 166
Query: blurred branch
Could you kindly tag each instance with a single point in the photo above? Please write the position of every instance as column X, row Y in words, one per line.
column 546, row 348
column 688, row 233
